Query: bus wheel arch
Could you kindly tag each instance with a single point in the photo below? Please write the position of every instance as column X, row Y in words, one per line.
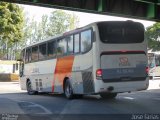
column 64, row 81
column 67, row 88
column 27, row 80
column 30, row 91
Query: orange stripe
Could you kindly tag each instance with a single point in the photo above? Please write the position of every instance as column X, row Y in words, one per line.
column 63, row 69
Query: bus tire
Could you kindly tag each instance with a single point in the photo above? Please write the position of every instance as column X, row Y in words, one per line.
column 108, row 95
column 29, row 89
column 68, row 90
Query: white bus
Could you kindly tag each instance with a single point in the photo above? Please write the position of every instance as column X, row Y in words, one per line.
column 154, row 64
column 104, row 58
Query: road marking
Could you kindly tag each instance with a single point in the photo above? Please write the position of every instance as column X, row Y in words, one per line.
column 32, row 105
column 130, row 98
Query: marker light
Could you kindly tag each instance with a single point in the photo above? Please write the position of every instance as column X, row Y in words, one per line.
column 99, row 72
column 147, row 70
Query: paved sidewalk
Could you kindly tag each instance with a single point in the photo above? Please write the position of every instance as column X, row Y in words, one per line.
column 9, row 87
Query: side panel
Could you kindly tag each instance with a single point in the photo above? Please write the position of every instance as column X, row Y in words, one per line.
column 63, row 70
column 82, row 79
column 40, row 74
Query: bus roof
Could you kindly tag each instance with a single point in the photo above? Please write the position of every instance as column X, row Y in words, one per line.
column 61, row 35
column 72, row 31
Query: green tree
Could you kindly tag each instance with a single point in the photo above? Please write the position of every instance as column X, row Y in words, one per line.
column 11, row 24
column 30, row 29
column 49, row 25
column 153, row 36
column 43, row 27
column 33, row 31
column 27, row 29
column 60, row 21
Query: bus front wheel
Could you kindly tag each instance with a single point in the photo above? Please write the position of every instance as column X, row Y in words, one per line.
column 30, row 91
column 108, row 95
column 68, row 91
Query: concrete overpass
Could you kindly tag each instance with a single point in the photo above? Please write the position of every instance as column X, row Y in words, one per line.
column 141, row 9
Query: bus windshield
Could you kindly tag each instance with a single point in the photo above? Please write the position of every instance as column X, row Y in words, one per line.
column 121, row 32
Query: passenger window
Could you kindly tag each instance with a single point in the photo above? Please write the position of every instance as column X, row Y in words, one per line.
column 76, row 43
column 61, row 47
column 28, row 55
column 23, row 55
column 35, row 53
column 51, row 49
column 42, row 51
column 70, row 44
column 85, row 41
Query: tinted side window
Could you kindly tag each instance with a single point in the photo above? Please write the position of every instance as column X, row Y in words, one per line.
column 28, row 55
column 70, row 44
column 76, row 43
column 51, row 49
column 157, row 60
column 23, row 55
column 42, row 51
column 61, row 47
column 121, row 32
column 85, row 41
column 35, row 53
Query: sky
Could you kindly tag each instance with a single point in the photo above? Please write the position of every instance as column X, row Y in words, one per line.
column 84, row 18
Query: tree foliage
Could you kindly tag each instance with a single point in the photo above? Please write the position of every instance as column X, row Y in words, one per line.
column 60, row 22
column 30, row 30
column 11, row 22
column 11, row 25
column 50, row 25
column 153, row 36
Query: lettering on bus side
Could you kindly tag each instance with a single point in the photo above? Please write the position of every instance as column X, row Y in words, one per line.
column 35, row 70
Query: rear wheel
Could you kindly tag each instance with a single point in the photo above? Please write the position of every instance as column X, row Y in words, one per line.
column 68, row 91
column 29, row 89
column 108, row 95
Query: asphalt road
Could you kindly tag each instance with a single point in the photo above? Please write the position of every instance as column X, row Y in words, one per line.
column 16, row 104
